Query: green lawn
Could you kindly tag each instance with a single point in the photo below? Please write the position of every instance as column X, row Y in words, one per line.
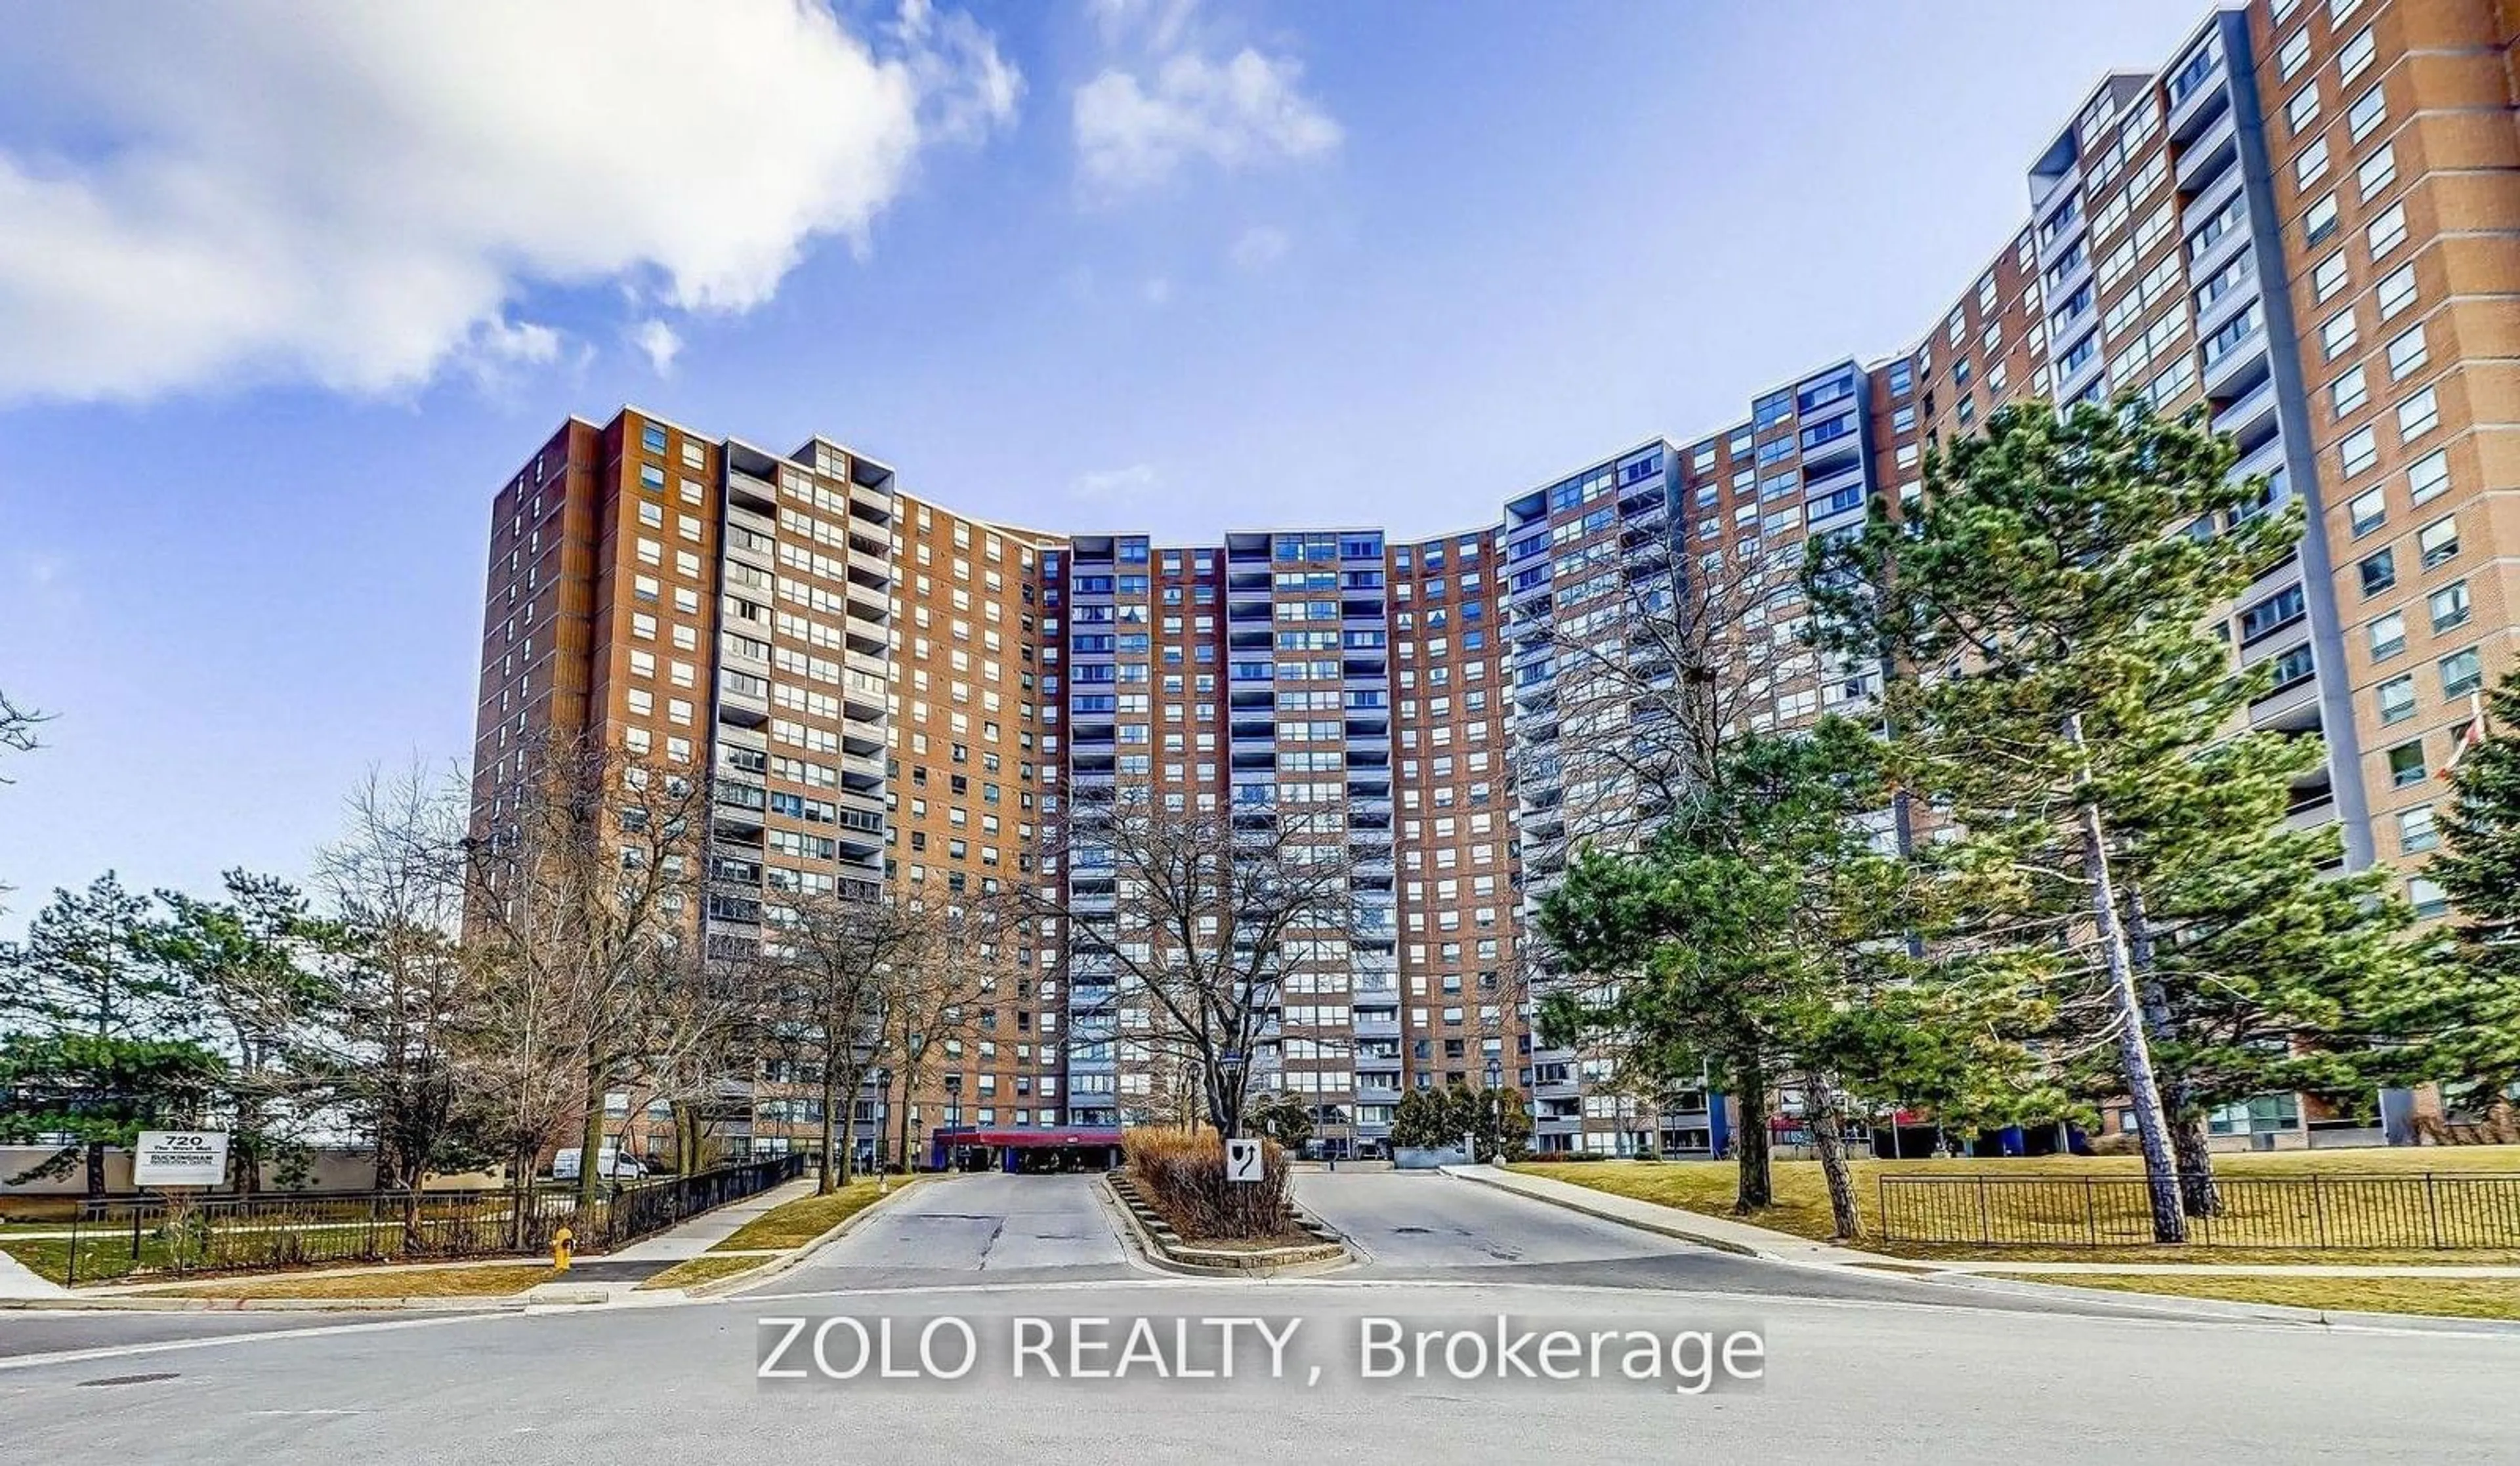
column 799, row 1222
column 2452, row 1296
column 1802, row 1198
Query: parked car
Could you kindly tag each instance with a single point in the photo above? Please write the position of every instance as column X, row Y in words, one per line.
column 610, row 1163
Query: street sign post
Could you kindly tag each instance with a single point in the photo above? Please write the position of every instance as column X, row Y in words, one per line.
column 1243, row 1160
column 179, row 1158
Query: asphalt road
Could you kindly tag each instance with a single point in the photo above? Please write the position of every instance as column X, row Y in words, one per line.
column 1005, row 1229
column 1882, row 1377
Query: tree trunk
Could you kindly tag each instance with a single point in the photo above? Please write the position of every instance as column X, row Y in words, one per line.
column 1828, row 1138
column 2197, row 1188
column 907, row 1164
column 2197, row 1194
column 2134, row 1056
column 1757, row 1186
column 96, row 1167
column 827, row 1178
column 590, row 1178
column 848, row 1124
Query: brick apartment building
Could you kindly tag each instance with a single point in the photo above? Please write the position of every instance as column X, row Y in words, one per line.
column 2307, row 222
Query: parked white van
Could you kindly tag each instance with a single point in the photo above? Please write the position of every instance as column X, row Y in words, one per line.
column 610, row 1163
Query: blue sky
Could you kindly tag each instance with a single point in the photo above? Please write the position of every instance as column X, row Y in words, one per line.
column 282, row 300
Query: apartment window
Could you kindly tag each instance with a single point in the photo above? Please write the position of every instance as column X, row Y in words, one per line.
column 652, row 477
column 2369, row 111
column 2376, row 172
column 2407, row 764
column 2428, row 475
column 2427, row 897
column 2416, row 831
column 2290, row 55
column 2328, row 277
column 2347, row 394
column 2388, row 230
column 2378, row 572
column 2277, row 610
column 2387, row 635
column 2408, row 355
column 2397, row 699
column 2359, row 450
column 2449, row 606
column 653, row 438
column 2302, row 109
column 2318, row 222
column 652, row 516
column 2338, row 335
column 2355, row 58
column 2438, row 542
column 2417, row 415
column 2462, row 673
column 2293, row 668
column 2309, row 166
column 2371, row 511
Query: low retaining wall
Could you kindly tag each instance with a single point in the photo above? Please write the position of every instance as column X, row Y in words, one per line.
column 1166, row 1248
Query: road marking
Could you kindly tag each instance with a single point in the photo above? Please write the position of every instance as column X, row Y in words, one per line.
column 169, row 1346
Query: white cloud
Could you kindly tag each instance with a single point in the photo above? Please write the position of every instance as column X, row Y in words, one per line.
column 1110, row 485
column 1259, row 248
column 1135, row 131
column 659, row 342
column 1158, row 290
column 1160, row 24
column 357, row 195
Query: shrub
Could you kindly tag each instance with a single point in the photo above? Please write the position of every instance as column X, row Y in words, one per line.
column 1182, row 1177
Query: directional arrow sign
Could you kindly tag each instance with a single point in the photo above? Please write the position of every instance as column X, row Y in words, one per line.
column 1242, row 1160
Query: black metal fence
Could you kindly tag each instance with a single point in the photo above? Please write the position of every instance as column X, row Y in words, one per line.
column 2431, row 1211
column 153, row 1236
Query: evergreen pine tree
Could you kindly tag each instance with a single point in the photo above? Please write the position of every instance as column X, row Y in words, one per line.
column 2468, row 1007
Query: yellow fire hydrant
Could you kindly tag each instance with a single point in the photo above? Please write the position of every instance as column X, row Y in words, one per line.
column 559, row 1250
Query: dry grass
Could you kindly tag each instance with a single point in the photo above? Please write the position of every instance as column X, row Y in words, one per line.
column 707, row 1268
column 1802, row 1197
column 494, row 1280
column 1182, row 1177
column 797, row 1223
column 2457, row 1298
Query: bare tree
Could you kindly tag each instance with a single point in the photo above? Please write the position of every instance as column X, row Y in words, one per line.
column 387, row 1052
column 931, row 995
column 1654, row 678
column 17, row 728
column 583, row 887
column 1659, row 675
column 828, row 968
column 1186, row 913
column 17, row 736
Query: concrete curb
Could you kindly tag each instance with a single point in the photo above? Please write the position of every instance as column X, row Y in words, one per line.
column 720, row 1287
column 1605, row 1214
column 500, row 1302
column 2226, row 1310
column 1291, row 1262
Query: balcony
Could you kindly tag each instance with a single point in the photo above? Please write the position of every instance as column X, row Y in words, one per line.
column 2199, row 96
column 742, row 698
column 744, row 488
column 2215, row 149
column 870, row 504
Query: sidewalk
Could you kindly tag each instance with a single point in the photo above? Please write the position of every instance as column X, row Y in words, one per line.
column 1729, row 1235
column 17, row 1280
column 710, row 1228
